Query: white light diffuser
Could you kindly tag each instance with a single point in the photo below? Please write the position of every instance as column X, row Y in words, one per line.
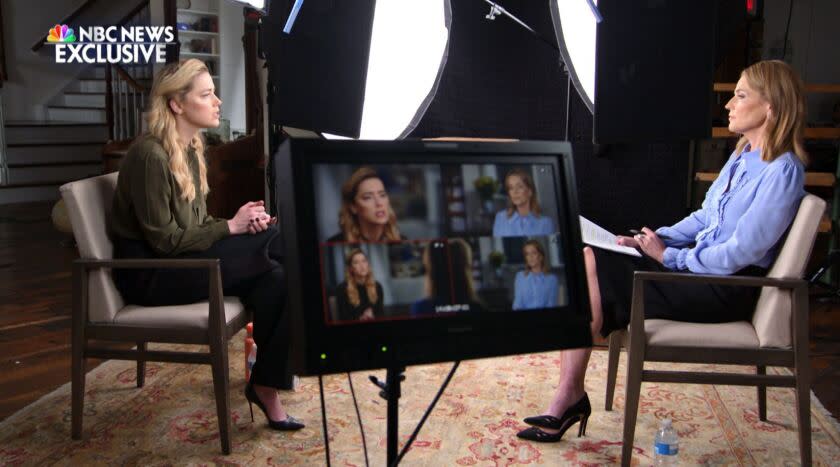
column 408, row 50
column 575, row 28
column 255, row 4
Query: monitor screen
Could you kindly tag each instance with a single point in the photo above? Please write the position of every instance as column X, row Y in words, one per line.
column 413, row 252
column 451, row 239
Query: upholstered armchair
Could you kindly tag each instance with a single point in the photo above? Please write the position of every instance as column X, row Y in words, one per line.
column 776, row 336
column 100, row 313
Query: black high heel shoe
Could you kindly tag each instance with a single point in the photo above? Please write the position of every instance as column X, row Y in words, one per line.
column 289, row 424
column 579, row 412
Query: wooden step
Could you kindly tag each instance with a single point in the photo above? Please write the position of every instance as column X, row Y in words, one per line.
column 77, row 113
column 810, row 133
column 50, row 174
column 825, row 224
column 810, row 88
column 39, row 131
column 81, row 99
column 819, row 179
column 48, row 153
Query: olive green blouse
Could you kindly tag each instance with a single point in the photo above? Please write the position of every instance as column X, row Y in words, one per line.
column 148, row 206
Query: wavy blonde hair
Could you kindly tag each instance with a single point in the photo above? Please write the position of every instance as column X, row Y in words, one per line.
column 528, row 182
column 781, row 86
column 174, row 81
column 348, row 222
column 350, row 278
column 537, row 246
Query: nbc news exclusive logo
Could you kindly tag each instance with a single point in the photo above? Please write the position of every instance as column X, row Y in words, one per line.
column 111, row 44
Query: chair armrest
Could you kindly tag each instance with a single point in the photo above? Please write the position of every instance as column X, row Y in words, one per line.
column 172, row 263
column 747, row 281
column 216, row 310
column 799, row 287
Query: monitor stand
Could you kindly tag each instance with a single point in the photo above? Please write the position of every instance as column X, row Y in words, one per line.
column 391, row 393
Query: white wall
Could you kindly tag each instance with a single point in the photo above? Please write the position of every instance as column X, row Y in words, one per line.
column 35, row 78
column 813, row 45
column 232, row 66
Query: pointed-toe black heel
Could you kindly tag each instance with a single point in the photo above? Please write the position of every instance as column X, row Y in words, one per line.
column 289, row 424
column 579, row 412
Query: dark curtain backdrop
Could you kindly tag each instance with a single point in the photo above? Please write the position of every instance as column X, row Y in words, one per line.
column 500, row 81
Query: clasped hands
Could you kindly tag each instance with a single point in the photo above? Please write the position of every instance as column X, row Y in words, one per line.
column 647, row 241
column 251, row 218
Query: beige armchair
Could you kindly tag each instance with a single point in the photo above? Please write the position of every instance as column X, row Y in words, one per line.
column 777, row 335
column 100, row 313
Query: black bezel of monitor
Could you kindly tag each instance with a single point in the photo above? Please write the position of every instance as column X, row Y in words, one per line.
column 321, row 348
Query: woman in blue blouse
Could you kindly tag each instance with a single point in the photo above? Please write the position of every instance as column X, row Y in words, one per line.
column 534, row 287
column 523, row 216
column 736, row 231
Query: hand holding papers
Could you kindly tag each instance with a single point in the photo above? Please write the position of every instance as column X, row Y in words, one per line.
column 595, row 235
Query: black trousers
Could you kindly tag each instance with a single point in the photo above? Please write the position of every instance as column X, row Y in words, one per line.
column 696, row 303
column 251, row 268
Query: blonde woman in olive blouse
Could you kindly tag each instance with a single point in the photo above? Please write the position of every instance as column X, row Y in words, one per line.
column 160, row 211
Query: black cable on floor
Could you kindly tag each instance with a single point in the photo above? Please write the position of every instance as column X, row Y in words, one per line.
column 324, row 418
column 426, row 415
column 359, row 417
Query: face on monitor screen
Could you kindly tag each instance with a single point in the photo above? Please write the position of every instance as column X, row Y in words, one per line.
column 413, row 241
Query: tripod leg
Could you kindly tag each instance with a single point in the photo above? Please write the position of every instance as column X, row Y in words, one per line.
column 392, row 382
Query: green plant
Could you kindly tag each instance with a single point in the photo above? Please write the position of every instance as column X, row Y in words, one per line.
column 496, row 258
column 486, row 186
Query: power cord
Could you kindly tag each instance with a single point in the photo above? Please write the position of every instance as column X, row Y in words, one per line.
column 324, row 419
column 359, row 417
column 426, row 415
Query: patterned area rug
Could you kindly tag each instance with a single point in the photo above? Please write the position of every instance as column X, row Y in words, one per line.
column 172, row 420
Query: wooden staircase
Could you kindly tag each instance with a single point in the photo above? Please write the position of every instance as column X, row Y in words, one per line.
column 103, row 103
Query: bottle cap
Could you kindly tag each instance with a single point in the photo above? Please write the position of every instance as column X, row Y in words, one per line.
column 666, row 422
column 250, row 328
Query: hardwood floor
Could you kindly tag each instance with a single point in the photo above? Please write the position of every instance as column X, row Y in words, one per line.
column 35, row 301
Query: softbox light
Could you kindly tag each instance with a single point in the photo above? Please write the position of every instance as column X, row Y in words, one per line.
column 575, row 25
column 645, row 71
column 362, row 69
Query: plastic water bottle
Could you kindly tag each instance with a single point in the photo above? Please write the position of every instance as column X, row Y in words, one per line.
column 250, row 361
column 666, row 445
column 249, row 342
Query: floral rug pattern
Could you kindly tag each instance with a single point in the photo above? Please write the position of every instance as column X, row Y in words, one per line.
column 172, row 420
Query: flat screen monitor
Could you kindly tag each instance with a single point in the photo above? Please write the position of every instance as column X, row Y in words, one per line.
column 410, row 252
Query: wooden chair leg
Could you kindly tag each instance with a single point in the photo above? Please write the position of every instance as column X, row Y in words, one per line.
column 635, row 362
column 219, row 362
column 762, row 394
column 77, row 388
column 141, row 365
column 612, row 366
column 77, row 370
column 802, row 373
column 803, row 416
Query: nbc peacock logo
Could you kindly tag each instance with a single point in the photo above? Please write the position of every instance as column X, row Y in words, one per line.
column 61, row 33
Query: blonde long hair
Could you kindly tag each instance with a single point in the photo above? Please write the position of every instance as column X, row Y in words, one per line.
column 348, row 221
column 174, row 81
column 781, row 86
column 528, row 182
column 350, row 278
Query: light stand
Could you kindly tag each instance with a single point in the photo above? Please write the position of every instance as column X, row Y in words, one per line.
column 495, row 10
